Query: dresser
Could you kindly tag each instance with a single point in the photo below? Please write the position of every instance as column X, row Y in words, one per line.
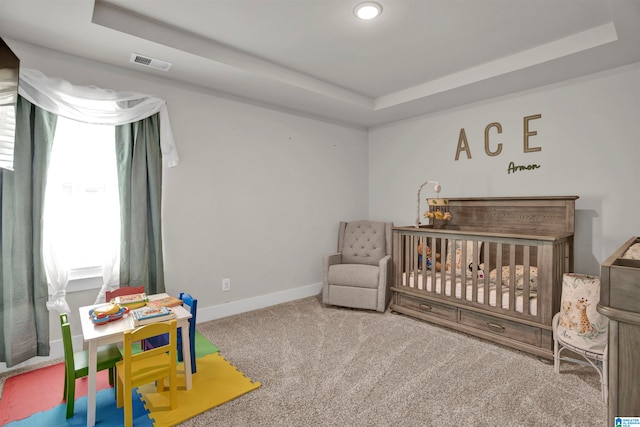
column 620, row 302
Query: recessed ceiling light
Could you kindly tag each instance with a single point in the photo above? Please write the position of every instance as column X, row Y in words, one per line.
column 367, row 10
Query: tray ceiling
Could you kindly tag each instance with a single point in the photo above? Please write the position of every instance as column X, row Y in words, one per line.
column 314, row 57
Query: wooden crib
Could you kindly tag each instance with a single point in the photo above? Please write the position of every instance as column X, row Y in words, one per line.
column 493, row 271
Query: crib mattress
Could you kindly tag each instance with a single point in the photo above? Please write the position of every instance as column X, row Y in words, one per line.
column 519, row 297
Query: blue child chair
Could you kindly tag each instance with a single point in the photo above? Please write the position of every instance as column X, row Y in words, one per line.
column 161, row 340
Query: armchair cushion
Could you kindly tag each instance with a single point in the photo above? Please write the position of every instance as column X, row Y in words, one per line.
column 356, row 275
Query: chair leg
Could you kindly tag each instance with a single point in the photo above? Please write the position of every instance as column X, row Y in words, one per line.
column 160, row 385
column 179, row 337
column 64, row 390
column 128, row 406
column 193, row 359
column 112, row 376
column 605, row 375
column 173, row 389
column 71, row 396
column 556, row 348
column 119, row 393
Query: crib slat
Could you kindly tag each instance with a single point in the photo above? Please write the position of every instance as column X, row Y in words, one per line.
column 433, row 271
column 465, row 270
column 416, row 260
column 512, row 277
column 406, row 268
column 487, row 258
column 525, row 286
column 499, row 275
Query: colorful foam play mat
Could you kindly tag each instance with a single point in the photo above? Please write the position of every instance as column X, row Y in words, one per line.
column 35, row 398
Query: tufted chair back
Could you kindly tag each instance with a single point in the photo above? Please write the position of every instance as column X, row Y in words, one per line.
column 364, row 242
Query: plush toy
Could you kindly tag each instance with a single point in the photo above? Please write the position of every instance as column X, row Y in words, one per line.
column 479, row 269
column 438, row 263
column 438, row 215
column 429, row 258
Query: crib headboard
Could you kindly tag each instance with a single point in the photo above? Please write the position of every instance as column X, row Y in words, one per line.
column 538, row 215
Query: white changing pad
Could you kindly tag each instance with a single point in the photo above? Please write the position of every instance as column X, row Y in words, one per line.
column 533, row 300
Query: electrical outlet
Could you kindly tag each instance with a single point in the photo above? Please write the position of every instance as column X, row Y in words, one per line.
column 226, row 284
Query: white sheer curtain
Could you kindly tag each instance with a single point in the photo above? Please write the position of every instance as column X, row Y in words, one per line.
column 55, row 254
column 93, row 105
column 111, row 257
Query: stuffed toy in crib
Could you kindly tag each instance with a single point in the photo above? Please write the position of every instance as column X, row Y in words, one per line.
column 478, row 268
column 429, row 258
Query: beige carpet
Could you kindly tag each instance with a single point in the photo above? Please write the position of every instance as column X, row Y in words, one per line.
column 326, row 366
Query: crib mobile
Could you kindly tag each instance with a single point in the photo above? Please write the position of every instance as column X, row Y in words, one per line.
column 438, row 209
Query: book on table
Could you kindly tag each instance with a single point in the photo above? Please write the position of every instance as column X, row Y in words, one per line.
column 167, row 301
column 150, row 314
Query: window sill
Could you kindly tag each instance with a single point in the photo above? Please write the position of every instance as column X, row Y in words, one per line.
column 83, row 279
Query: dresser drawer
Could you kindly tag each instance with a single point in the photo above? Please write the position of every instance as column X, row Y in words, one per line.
column 427, row 307
column 506, row 328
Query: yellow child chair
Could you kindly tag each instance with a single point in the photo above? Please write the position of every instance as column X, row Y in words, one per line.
column 144, row 367
column 192, row 303
column 76, row 364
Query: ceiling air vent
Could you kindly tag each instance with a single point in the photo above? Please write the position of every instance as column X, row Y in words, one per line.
column 150, row 62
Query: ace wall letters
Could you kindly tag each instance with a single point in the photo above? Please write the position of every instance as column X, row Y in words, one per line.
column 496, row 148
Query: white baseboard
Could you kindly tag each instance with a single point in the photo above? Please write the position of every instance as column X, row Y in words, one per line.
column 255, row 303
column 204, row 315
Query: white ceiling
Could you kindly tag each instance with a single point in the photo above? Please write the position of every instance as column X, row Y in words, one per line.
column 316, row 58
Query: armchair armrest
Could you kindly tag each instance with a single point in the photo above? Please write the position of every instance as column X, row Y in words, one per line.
column 384, row 282
column 331, row 259
column 386, row 267
column 327, row 261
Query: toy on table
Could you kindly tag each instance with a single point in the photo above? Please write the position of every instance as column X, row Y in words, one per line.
column 131, row 301
column 107, row 313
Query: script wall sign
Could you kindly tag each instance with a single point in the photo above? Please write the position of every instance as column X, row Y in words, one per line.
column 496, row 149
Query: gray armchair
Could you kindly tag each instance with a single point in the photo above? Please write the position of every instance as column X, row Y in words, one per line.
column 359, row 275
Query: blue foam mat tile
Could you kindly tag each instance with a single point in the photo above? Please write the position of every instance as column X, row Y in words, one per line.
column 107, row 415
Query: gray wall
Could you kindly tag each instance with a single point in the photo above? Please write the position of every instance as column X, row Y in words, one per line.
column 589, row 133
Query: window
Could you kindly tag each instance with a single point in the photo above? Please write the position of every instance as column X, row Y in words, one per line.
column 81, row 214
